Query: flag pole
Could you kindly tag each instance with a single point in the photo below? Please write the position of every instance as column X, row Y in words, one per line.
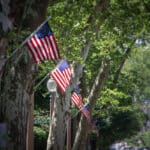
column 46, row 76
column 14, row 52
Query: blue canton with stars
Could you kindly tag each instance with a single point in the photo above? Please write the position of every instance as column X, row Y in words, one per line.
column 44, row 31
column 63, row 65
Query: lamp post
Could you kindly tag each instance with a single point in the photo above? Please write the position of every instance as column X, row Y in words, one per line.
column 51, row 86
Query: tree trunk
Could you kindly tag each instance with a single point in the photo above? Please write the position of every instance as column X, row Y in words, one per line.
column 81, row 133
column 17, row 74
column 16, row 90
column 57, row 134
column 84, row 128
column 3, row 45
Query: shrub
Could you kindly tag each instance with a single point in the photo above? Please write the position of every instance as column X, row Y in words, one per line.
column 40, row 138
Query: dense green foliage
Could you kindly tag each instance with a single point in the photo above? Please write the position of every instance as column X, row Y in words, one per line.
column 138, row 71
column 117, row 117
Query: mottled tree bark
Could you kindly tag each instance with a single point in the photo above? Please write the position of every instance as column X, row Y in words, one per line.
column 3, row 45
column 16, row 89
column 57, row 135
column 17, row 74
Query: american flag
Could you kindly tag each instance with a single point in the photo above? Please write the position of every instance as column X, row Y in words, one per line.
column 87, row 106
column 86, row 113
column 77, row 100
column 42, row 45
column 77, row 89
column 62, row 75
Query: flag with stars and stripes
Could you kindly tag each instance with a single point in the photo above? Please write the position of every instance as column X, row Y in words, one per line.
column 62, row 75
column 77, row 100
column 77, row 88
column 85, row 111
column 42, row 45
